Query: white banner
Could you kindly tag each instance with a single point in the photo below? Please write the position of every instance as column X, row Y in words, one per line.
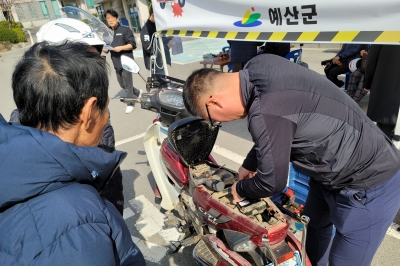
column 309, row 20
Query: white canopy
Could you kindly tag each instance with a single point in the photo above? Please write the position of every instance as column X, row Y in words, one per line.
column 301, row 21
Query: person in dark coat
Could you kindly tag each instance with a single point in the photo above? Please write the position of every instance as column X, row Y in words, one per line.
column 123, row 43
column 150, row 48
column 241, row 52
column 340, row 63
column 277, row 48
column 383, row 80
column 113, row 190
column 51, row 212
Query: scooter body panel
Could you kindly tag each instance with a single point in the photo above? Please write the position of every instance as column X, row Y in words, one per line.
column 173, row 165
column 220, row 215
column 155, row 134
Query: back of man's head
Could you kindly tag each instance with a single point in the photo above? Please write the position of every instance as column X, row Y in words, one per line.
column 196, row 85
column 51, row 84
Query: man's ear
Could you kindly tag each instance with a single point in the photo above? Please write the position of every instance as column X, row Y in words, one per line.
column 88, row 113
column 213, row 101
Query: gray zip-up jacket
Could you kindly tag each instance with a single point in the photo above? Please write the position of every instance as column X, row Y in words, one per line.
column 297, row 115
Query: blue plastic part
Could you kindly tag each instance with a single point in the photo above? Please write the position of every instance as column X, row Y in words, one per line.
column 295, row 54
column 298, row 182
column 123, row 22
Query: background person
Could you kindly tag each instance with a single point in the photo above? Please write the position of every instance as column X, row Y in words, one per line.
column 354, row 168
column 241, row 52
column 52, row 171
column 382, row 79
column 277, row 48
column 150, row 48
column 356, row 82
column 340, row 63
column 123, row 44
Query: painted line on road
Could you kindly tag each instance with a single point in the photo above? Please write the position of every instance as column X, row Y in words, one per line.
column 234, row 157
column 150, row 224
column 129, row 139
column 392, row 231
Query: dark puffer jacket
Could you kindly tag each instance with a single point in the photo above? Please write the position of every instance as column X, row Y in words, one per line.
column 113, row 190
column 51, row 212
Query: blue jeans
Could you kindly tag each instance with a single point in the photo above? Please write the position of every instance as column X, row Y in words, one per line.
column 361, row 219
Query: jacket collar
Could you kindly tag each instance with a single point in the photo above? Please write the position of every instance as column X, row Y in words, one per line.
column 36, row 162
column 246, row 88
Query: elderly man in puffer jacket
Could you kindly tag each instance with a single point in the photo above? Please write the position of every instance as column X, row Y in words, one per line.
column 51, row 212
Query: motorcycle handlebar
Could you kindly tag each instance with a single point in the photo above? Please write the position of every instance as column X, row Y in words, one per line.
column 130, row 100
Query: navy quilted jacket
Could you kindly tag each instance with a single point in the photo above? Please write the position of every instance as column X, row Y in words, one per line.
column 50, row 209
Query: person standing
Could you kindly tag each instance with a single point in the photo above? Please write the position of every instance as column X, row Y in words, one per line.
column 382, row 79
column 277, row 48
column 150, row 47
column 123, row 44
column 241, row 52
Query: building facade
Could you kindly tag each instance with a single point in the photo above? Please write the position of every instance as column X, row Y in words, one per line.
column 35, row 13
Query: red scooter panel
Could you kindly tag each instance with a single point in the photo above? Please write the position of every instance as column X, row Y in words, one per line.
column 177, row 171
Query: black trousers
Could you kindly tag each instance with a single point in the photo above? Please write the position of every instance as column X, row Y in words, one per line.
column 125, row 80
column 334, row 71
column 113, row 190
column 238, row 66
column 386, row 129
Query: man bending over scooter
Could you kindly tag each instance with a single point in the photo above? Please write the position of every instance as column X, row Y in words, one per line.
column 303, row 118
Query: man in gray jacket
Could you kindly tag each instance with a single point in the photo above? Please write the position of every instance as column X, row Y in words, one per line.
column 299, row 116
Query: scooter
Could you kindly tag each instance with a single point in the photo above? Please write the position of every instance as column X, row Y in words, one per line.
column 191, row 184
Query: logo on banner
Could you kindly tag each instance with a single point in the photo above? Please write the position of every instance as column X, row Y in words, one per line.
column 249, row 20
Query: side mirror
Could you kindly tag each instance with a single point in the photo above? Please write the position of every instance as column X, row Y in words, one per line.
column 129, row 64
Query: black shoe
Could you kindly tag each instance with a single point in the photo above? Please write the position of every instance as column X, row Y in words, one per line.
column 340, row 83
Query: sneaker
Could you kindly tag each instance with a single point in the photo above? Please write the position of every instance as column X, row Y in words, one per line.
column 129, row 109
column 140, row 94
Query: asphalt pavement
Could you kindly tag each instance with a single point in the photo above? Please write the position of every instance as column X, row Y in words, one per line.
column 142, row 211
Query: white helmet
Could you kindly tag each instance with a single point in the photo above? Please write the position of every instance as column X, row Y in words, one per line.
column 64, row 29
column 76, row 25
column 353, row 64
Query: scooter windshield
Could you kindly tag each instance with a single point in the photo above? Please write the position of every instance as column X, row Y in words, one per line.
column 97, row 25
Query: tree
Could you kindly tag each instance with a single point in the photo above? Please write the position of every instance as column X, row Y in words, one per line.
column 6, row 7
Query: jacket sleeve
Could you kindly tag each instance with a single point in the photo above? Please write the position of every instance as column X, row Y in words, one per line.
column 129, row 38
column 273, row 136
column 127, row 251
column 250, row 163
column 146, row 39
column 350, row 52
column 370, row 68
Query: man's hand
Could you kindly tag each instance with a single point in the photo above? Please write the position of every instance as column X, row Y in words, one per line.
column 117, row 49
column 236, row 197
column 243, row 173
column 336, row 60
column 105, row 51
column 367, row 90
column 363, row 52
